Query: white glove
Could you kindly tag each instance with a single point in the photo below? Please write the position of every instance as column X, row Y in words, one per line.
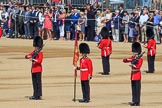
column 75, row 67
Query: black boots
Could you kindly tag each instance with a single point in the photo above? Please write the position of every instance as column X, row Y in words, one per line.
column 35, row 98
column 83, row 101
column 133, row 104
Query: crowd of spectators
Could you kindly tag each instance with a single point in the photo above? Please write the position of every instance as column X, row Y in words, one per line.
column 56, row 23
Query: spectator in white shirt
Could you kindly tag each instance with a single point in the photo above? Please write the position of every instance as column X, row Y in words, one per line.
column 143, row 18
column 41, row 23
column 0, row 14
column 4, row 25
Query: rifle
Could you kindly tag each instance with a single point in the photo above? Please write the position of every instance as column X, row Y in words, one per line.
column 135, row 60
column 35, row 54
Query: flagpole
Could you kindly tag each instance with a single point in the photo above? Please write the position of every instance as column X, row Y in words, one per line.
column 75, row 75
column 75, row 59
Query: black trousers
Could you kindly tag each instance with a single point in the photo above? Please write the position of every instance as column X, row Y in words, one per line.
column 73, row 32
column 136, row 91
column 33, row 30
column 21, row 28
column 151, row 60
column 56, row 30
column 90, row 33
column 106, row 64
column 86, row 32
column 85, row 90
column 37, row 84
column 121, row 33
column 12, row 33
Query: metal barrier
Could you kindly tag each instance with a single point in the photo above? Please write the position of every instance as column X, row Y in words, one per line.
column 77, row 3
column 30, row 1
column 5, row 1
column 39, row 1
column 74, row 3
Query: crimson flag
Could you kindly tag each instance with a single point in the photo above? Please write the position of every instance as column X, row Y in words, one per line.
column 75, row 60
column 76, row 51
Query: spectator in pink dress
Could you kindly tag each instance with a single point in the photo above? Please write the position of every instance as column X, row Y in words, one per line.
column 48, row 23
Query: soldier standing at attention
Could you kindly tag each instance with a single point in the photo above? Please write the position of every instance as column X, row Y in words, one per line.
column 106, row 49
column 151, row 46
column 36, row 68
column 86, row 70
column 135, row 73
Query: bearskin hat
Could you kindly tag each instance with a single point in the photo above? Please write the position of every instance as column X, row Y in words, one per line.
column 84, row 48
column 136, row 47
column 104, row 33
column 38, row 42
column 150, row 33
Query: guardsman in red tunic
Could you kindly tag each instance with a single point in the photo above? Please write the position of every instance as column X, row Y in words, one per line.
column 86, row 70
column 106, row 49
column 135, row 74
column 151, row 46
column 36, row 69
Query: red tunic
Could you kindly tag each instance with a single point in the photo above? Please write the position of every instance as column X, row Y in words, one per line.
column 135, row 73
column 106, row 47
column 151, row 46
column 86, row 68
column 36, row 66
column 1, row 32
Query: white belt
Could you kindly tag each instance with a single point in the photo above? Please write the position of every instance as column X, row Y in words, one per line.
column 135, row 70
column 105, row 50
column 84, row 69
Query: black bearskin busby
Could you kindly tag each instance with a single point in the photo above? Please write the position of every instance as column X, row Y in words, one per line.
column 104, row 33
column 38, row 42
column 84, row 48
column 150, row 34
column 136, row 47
